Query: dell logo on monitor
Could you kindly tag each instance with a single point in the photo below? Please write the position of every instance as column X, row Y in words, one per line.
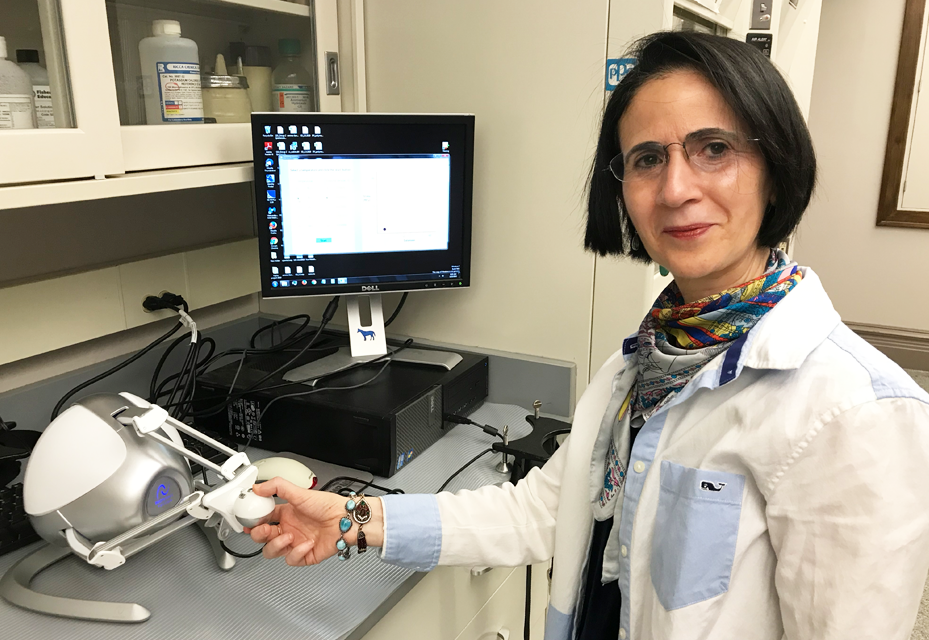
column 372, row 287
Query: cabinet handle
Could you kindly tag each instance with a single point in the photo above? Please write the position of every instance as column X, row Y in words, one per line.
column 479, row 571
column 332, row 73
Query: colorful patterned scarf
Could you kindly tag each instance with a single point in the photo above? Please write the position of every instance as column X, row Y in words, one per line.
column 677, row 339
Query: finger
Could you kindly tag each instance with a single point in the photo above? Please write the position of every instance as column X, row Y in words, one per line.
column 284, row 489
column 278, row 546
column 262, row 533
column 296, row 557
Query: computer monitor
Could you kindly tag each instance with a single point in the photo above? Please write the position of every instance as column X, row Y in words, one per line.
column 360, row 204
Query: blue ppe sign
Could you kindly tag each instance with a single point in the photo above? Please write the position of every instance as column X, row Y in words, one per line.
column 616, row 70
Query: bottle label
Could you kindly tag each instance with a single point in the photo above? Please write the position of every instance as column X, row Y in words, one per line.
column 179, row 89
column 291, row 97
column 16, row 112
column 44, row 114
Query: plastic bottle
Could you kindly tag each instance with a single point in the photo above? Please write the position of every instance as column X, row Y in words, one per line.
column 28, row 60
column 170, row 76
column 292, row 86
column 16, row 107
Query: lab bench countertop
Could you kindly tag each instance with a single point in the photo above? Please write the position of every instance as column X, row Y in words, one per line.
column 178, row 580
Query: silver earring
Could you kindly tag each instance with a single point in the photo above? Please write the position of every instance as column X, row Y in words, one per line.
column 635, row 241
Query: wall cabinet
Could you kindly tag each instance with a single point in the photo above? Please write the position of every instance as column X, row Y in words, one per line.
column 100, row 131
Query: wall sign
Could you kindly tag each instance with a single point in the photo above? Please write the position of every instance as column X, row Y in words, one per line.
column 761, row 41
column 616, row 70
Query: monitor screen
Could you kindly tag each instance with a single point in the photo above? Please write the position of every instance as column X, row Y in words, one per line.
column 362, row 203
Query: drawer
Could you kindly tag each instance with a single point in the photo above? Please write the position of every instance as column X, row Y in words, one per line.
column 502, row 617
column 442, row 604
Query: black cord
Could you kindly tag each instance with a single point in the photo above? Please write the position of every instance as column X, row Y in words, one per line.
column 236, row 554
column 456, row 419
column 268, row 327
column 463, row 467
column 232, row 397
column 397, row 310
column 125, row 363
column 528, row 602
column 320, row 389
column 364, row 485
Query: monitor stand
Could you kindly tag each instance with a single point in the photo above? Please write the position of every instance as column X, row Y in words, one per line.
column 367, row 343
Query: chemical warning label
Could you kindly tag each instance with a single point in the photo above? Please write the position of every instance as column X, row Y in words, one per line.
column 179, row 89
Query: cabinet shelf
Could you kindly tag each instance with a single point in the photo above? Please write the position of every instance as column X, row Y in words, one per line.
column 131, row 184
column 273, row 6
column 276, row 6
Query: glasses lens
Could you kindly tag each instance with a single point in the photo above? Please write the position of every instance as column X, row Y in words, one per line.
column 715, row 152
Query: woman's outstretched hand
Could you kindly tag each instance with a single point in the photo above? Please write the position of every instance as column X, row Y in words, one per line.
column 307, row 525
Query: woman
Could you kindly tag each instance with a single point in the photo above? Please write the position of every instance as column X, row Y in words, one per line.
column 746, row 467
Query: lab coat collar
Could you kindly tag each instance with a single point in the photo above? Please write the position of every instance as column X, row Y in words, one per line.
column 787, row 334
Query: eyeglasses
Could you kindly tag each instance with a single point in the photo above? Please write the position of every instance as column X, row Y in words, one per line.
column 707, row 151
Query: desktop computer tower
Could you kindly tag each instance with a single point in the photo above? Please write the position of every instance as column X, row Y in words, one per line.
column 379, row 427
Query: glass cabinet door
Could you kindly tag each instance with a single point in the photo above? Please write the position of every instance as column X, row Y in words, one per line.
column 57, row 114
column 188, row 73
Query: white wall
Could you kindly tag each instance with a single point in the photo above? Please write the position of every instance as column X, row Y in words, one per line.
column 532, row 73
column 875, row 275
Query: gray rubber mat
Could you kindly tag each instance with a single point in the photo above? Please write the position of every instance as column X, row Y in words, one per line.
column 190, row 598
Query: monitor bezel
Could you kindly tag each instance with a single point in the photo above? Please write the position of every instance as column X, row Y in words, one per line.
column 260, row 119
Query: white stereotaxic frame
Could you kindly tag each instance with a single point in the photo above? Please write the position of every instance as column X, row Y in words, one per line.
column 228, row 508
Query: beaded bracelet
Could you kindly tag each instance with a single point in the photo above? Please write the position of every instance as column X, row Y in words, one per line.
column 360, row 512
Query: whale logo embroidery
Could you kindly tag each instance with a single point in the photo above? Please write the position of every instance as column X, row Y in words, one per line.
column 706, row 485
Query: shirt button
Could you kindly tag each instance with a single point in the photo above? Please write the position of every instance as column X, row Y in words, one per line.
column 623, row 550
column 622, row 634
column 639, row 466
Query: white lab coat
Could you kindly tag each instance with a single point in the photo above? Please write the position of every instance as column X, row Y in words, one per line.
column 791, row 501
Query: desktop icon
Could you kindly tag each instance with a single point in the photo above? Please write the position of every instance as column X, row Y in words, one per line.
column 281, row 146
column 310, row 269
column 274, row 242
column 272, row 211
column 317, row 131
column 272, row 225
column 267, row 129
column 293, row 146
column 275, row 270
column 318, row 145
column 313, row 281
column 269, row 163
column 274, row 255
column 269, row 146
column 306, row 131
column 274, row 283
column 444, row 146
column 270, row 178
column 343, row 280
column 303, row 282
column 293, row 282
column 285, row 283
column 272, row 194
column 299, row 269
column 293, row 130
column 323, row 281
column 306, row 146
column 280, row 130
column 287, row 271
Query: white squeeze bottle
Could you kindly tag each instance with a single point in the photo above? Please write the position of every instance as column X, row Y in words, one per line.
column 170, row 76
column 291, row 85
column 28, row 60
column 16, row 108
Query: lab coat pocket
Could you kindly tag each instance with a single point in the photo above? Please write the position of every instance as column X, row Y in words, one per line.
column 696, row 528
